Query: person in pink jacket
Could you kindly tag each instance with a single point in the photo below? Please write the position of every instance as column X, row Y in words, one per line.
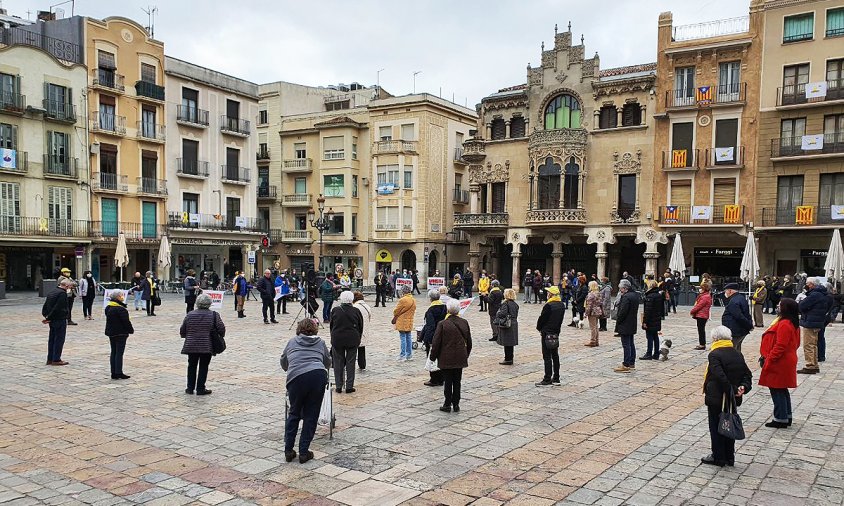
column 700, row 312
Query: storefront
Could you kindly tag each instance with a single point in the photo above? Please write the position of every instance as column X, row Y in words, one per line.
column 209, row 255
column 383, row 261
column 812, row 261
column 23, row 267
column 718, row 262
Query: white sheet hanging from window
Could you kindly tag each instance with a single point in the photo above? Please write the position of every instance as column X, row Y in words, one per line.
column 837, row 212
column 8, row 158
column 725, row 154
column 811, row 142
column 239, row 221
column 194, row 218
column 701, row 212
column 816, row 90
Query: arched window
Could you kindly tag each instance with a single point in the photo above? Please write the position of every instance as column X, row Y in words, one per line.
column 572, row 185
column 562, row 112
column 548, row 185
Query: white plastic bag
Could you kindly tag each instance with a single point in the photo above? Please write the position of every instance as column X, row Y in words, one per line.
column 326, row 411
column 431, row 365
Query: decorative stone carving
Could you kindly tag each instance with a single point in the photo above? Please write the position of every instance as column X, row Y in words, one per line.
column 436, row 169
column 561, row 78
column 617, row 219
column 556, row 216
column 481, row 220
column 576, row 54
column 517, row 236
column 535, row 76
column 549, row 59
column 650, row 237
column 599, row 236
column 628, row 163
column 560, row 144
column 479, row 174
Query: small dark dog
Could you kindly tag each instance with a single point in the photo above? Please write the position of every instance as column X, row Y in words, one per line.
column 663, row 351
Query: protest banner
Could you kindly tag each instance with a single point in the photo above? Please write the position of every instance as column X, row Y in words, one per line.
column 107, row 296
column 465, row 303
column 402, row 282
column 216, row 298
column 435, row 282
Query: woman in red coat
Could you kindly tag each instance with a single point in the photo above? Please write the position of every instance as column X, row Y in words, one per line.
column 700, row 312
column 779, row 361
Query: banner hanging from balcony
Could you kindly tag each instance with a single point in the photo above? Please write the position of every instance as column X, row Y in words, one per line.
column 672, row 214
column 811, row 142
column 679, row 158
column 816, row 90
column 8, row 158
column 194, row 218
column 804, row 215
column 732, row 214
column 239, row 221
column 701, row 212
column 703, row 95
column 725, row 154
column 386, row 189
column 837, row 212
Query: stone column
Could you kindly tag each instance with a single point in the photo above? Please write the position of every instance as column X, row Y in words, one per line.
column 488, row 131
column 557, row 257
column 517, row 266
column 644, row 117
column 651, row 258
column 474, row 264
column 507, row 129
column 620, row 118
column 602, row 262
column 596, row 119
column 474, row 196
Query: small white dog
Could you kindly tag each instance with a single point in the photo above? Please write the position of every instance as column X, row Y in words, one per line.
column 578, row 322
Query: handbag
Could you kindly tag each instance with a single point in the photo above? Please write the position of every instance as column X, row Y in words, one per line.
column 729, row 423
column 506, row 322
column 218, row 343
column 552, row 341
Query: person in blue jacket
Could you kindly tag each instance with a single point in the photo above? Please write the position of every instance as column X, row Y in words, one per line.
column 241, row 290
column 736, row 315
column 814, row 310
column 282, row 281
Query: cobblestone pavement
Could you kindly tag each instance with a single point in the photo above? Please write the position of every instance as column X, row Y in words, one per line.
column 71, row 435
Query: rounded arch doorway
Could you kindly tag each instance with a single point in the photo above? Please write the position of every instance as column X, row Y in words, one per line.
column 408, row 260
column 433, row 259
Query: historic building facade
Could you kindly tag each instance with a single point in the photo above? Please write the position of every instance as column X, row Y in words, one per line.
column 560, row 170
column 213, row 178
column 800, row 182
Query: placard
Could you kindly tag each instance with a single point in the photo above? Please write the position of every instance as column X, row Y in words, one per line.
column 465, row 304
column 107, row 296
column 694, row 279
column 277, row 293
column 239, row 221
column 403, row 282
column 216, row 298
column 436, row 282
column 701, row 212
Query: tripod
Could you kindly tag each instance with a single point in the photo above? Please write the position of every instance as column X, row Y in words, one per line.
column 302, row 307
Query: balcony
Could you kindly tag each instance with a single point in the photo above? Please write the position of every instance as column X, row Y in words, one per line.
column 107, row 80
column 215, row 222
column 394, row 146
column 67, row 52
column 152, row 187
column 149, row 91
column 799, row 216
column 458, row 156
column 710, row 29
column 107, row 231
column 811, row 94
column 234, row 174
column 19, row 166
column 721, row 95
column 555, row 217
column 191, row 168
column 460, row 196
column 266, row 192
column 807, row 146
column 481, row 220
column 263, row 156
column 108, row 124
column 43, row 227
column 701, row 215
column 234, row 126
column 60, row 166
column 474, row 151
column 725, row 158
column 151, row 132
column 191, row 116
column 109, row 182
column 59, row 111
column 296, row 236
column 297, row 165
column 296, row 200
column 12, row 103
column 680, row 159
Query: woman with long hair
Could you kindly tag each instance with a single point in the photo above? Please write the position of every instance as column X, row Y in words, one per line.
column 700, row 312
column 778, row 358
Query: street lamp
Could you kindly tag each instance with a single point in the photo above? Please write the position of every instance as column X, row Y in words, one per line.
column 321, row 224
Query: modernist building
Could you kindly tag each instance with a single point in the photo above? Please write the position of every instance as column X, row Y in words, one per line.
column 706, row 128
column 212, row 182
column 800, row 182
column 560, row 170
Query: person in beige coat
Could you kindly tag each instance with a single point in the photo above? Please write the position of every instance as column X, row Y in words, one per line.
column 760, row 295
column 403, row 320
column 366, row 312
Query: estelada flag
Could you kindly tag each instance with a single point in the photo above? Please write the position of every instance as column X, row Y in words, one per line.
column 703, row 95
column 804, row 215
column 732, row 213
column 672, row 214
column 679, row 158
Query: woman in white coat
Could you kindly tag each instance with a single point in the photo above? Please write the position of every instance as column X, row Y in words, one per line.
column 366, row 313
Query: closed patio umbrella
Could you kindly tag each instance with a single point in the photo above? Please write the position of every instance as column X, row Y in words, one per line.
column 677, row 263
column 121, row 255
column 164, row 257
column 749, row 261
column 834, row 265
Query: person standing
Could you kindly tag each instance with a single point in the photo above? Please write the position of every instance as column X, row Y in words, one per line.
column 117, row 328
column 549, row 323
column 455, row 289
column 736, row 315
column 468, row 283
column 652, row 316
column 366, row 315
column 240, row 289
column 451, row 347
column 508, row 337
column 283, row 283
column 833, row 305
column 759, row 299
column 594, row 310
column 65, row 276
column 306, row 360
column 538, row 287
column 606, row 298
column 197, row 330
column 381, row 284
column 266, row 287
column 327, row 292
column 579, row 302
column 813, row 317
column 527, row 282
column 483, row 290
column 54, row 312
column 403, row 320
column 700, row 312
column 149, row 292
column 191, row 288
column 496, row 297
column 778, row 359
column 137, row 290
column 346, row 326
column 435, row 314
column 626, row 325
column 774, row 294
column 87, row 290
column 414, row 276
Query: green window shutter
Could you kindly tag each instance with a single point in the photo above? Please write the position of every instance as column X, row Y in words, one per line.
column 835, row 22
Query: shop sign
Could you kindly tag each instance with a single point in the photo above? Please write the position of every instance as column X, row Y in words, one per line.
column 206, row 242
column 383, row 255
column 80, row 251
column 250, row 257
column 809, row 253
column 719, row 252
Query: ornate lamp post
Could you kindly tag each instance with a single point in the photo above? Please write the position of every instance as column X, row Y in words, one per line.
column 321, row 224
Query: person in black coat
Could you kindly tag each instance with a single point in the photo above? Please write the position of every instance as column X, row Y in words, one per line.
column 346, row 326
column 496, row 297
column 382, row 282
column 266, row 287
column 727, row 375
column 468, row 283
column 814, row 314
column 191, row 288
column 117, row 328
column 736, row 315
column 435, row 314
column 55, row 311
column 652, row 315
column 550, row 322
column 626, row 324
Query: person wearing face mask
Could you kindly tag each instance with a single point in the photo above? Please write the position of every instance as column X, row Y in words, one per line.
column 700, row 312
column 282, row 281
column 87, row 290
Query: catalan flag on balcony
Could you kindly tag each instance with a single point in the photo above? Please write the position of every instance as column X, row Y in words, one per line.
column 732, row 214
column 804, row 215
column 679, row 158
column 672, row 214
column 703, row 95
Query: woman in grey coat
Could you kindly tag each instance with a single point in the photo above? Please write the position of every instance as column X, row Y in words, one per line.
column 196, row 330
column 606, row 294
column 508, row 337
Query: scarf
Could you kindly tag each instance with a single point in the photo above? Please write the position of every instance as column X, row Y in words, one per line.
column 756, row 294
column 555, row 298
column 721, row 343
column 436, row 303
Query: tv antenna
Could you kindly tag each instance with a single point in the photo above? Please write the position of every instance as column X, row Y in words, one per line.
column 60, row 12
column 151, row 12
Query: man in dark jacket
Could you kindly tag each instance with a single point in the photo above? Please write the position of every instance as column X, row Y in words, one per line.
column 626, row 324
column 527, row 283
column 468, row 283
column 813, row 317
column 266, row 287
column 496, row 297
column 652, row 314
column 549, row 323
column 435, row 314
column 381, row 284
column 346, row 329
column 117, row 328
column 54, row 312
column 736, row 315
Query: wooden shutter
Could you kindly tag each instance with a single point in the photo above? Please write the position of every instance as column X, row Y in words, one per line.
column 59, row 202
column 9, row 199
column 681, row 193
column 499, row 191
column 723, row 192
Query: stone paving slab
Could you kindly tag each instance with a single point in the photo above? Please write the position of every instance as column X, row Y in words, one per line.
column 70, row 435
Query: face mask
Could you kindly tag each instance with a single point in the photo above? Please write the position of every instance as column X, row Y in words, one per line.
column 89, row 276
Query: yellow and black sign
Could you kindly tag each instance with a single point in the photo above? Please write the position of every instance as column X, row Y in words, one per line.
column 383, row 255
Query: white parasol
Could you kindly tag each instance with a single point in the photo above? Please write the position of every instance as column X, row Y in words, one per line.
column 121, row 255
column 749, row 269
column 834, row 265
column 164, row 256
column 678, row 260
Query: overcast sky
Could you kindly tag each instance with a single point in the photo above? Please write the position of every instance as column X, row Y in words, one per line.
column 467, row 49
